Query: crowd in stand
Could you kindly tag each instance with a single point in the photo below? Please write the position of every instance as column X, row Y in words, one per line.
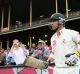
column 40, row 51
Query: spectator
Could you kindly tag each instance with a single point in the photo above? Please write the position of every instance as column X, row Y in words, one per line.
column 2, row 58
column 21, row 57
column 41, row 52
column 9, row 60
column 7, row 51
column 32, row 49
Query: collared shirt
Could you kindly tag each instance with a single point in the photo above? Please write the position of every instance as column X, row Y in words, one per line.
column 41, row 57
column 64, row 44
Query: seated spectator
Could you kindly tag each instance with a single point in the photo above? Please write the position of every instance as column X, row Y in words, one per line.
column 2, row 58
column 42, row 51
column 3, row 51
column 7, row 51
column 9, row 60
column 32, row 49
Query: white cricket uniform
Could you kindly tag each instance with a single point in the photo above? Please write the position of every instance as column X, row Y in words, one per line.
column 18, row 55
column 78, row 69
column 64, row 44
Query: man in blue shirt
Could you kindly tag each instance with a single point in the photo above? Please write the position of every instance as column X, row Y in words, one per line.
column 42, row 52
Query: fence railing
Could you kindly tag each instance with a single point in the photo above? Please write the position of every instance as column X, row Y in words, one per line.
column 38, row 22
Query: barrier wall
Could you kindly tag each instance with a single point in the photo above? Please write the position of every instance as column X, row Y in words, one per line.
column 24, row 70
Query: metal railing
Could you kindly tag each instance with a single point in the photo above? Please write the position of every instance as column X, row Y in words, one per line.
column 39, row 22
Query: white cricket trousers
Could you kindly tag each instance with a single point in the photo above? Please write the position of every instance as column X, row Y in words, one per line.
column 65, row 70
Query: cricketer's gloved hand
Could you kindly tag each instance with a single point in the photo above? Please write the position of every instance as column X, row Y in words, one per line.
column 46, row 63
column 72, row 60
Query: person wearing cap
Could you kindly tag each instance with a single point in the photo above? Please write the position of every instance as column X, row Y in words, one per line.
column 64, row 44
column 42, row 52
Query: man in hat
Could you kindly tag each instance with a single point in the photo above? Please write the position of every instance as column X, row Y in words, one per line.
column 42, row 52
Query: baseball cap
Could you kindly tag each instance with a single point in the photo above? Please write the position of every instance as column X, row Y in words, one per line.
column 41, row 41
